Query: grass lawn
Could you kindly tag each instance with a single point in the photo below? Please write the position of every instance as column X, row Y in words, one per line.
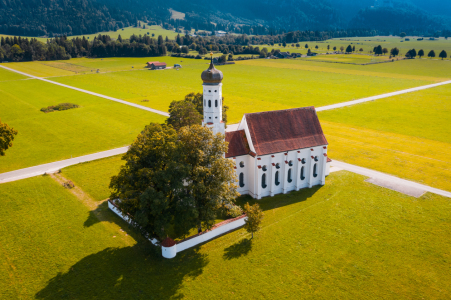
column 97, row 125
column 6, row 75
column 249, row 86
column 407, row 135
column 94, row 177
column 347, row 239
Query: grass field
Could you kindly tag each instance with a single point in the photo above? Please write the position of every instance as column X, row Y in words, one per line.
column 347, row 239
column 9, row 76
column 406, row 135
column 98, row 124
column 368, row 44
column 94, row 177
column 249, row 86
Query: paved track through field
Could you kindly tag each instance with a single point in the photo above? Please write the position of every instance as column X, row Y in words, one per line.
column 57, row 165
column 91, row 93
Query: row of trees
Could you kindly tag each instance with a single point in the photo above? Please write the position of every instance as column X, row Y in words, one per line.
column 412, row 53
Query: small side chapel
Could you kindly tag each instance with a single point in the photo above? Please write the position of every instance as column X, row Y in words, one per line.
column 275, row 151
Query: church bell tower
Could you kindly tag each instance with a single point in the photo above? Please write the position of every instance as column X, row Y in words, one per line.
column 212, row 91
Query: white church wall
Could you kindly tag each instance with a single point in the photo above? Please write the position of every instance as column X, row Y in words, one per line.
column 245, row 170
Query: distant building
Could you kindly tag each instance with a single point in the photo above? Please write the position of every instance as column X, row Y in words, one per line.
column 220, row 33
column 158, row 66
column 283, row 55
column 149, row 63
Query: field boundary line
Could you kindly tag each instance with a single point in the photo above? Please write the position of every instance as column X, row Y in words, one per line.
column 387, row 95
column 91, row 93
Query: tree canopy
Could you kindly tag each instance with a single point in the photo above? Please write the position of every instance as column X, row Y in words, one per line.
column 7, row 135
column 443, row 54
column 254, row 218
column 174, row 181
column 183, row 113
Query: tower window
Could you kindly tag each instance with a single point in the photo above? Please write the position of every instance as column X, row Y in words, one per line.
column 315, row 173
column 289, row 176
column 302, row 173
column 241, row 179
column 209, row 91
column 276, row 181
column 209, row 103
column 216, row 103
column 264, row 181
column 242, row 164
column 215, row 91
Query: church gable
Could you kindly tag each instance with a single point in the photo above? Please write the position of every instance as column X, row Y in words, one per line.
column 285, row 130
column 238, row 144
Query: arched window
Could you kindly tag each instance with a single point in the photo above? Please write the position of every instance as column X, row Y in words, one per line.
column 316, row 158
column 315, row 173
column 264, row 181
column 241, row 180
column 209, row 91
column 264, row 168
column 216, row 103
column 277, row 182
column 290, row 163
column 216, row 91
column 242, row 164
column 277, row 166
column 303, row 161
column 209, row 103
column 289, row 176
column 302, row 173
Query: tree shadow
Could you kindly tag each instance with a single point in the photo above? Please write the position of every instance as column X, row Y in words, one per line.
column 237, row 250
column 138, row 272
column 280, row 200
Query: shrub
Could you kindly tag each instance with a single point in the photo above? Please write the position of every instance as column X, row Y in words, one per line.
column 59, row 107
column 234, row 211
column 68, row 184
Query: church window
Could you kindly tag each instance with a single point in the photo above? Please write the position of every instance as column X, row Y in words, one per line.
column 205, row 102
column 302, row 173
column 242, row 164
column 264, row 168
column 241, row 179
column 216, row 117
column 315, row 173
column 289, row 176
column 209, row 91
column 216, row 103
column 209, row 103
column 303, row 161
column 264, row 181
column 290, row 163
column 277, row 166
column 216, row 91
column 276, row 181
column 316, row 158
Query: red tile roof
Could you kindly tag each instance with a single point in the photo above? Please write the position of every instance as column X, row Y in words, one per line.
column 152, row 62
column 237, row 143
column 328, row 159
column 168, row 242
column 285, row 130
column 159, row 64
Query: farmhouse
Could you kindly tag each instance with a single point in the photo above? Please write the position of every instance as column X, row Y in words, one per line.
column 157, row 65
column 273, row 152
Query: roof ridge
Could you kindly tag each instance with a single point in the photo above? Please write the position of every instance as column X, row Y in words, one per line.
column 280, row 110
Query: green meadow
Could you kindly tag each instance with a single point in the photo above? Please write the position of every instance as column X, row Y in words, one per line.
column 406, row 135
column 347, row 239
column 249, row 86
column 97, row 125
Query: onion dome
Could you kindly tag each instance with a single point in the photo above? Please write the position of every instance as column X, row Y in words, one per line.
column 212, row 76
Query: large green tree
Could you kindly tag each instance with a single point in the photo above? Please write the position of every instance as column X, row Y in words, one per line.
column 183, row 113
column 211, row 180
column 443, row 54
column 174, row 181
column 150, row 184
column 254, row 218
column 7, row 135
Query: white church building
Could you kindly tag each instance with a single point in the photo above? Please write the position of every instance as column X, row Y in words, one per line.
column 274, row 152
